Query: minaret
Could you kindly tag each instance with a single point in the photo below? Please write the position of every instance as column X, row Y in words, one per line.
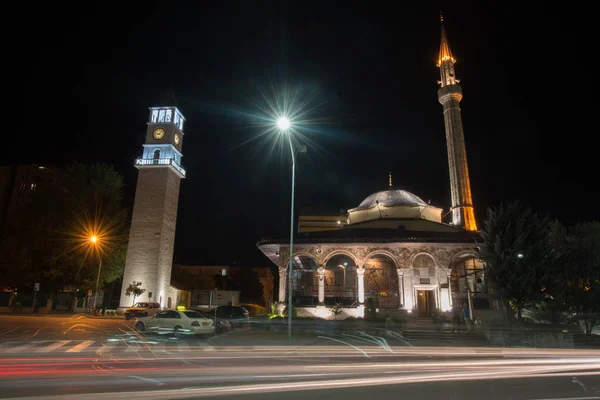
column 450, row 95
column 152, row 233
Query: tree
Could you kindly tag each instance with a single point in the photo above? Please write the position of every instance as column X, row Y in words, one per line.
column 135, row 290
column 577, row 270
column 517, row 254
column 48, row 239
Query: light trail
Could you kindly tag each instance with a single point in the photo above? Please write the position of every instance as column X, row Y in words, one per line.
column 457, row 374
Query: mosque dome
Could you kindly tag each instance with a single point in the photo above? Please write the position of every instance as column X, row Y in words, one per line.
column 390, row 198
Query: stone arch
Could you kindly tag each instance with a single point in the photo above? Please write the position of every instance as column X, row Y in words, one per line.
column 340, row 278
column 304, row 288
column 286, row 264
column 468, row 275
column 422, row 255
column 342, row 252
column 382, row 252
column 381, row 280
column 463, row 254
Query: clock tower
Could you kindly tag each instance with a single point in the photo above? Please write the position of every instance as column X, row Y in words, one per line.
column 152, row 233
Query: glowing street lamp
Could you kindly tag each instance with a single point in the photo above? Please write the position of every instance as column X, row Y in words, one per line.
column 94, row 240
column 284, row 125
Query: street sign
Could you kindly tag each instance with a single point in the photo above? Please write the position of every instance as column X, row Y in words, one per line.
column 36, row 287
column 219, row 296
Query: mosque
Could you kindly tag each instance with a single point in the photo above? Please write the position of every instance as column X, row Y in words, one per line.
column 393, row 249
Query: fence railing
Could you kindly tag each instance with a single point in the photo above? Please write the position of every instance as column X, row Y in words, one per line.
column 160, row 161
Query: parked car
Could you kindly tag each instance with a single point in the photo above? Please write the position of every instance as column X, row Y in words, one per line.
column 237, row 316
column 142, row 309
column 186, row 322
column 221, row 325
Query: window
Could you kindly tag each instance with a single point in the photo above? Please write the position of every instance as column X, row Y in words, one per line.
column 471, row 276
column 164, row 116
column 162, row 314
column 156, row 154
column 193, row 314
column 179, row 121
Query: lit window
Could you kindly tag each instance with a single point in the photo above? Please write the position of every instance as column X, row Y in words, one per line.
column 33, row 185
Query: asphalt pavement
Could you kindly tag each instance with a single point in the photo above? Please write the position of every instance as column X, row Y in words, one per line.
column 72, row 356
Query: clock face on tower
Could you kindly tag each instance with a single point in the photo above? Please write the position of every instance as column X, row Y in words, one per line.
column 158, row 133
column 177, row 138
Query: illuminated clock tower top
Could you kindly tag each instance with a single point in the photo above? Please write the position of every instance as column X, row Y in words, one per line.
column 164, row 139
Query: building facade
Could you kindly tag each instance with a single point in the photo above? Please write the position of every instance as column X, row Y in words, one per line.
column 19, row 185
column 393, row 249
column 200, row 280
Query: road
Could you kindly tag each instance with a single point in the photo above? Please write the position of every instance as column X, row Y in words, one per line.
column 65, row 358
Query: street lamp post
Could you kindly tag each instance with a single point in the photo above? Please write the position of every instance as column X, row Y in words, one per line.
column 94, row 240
column 284, row 124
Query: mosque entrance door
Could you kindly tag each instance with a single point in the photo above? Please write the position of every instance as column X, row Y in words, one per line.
column 425, row 302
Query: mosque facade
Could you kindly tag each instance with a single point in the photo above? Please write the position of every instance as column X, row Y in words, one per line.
column 393, row 249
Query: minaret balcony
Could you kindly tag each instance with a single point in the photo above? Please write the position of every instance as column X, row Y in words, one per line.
column 149, row 162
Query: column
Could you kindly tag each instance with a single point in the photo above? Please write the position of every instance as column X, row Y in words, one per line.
column 409, row 298
column 448, row 274
column 360, row 273
column 282, row 284
column 400, row 287
column 321, row 276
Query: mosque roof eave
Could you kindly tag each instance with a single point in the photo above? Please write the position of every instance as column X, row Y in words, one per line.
column 377, row 235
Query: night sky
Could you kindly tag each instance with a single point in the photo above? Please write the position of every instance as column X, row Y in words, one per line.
column 85, row 82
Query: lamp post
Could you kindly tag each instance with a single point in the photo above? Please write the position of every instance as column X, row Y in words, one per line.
column 94, row 241
column 283, row 123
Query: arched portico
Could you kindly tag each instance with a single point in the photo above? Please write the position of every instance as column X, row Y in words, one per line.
column 420, row 278
column 340, row 283
column 381, row 280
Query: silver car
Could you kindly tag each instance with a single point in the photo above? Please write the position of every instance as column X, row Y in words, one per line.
column 185, row 322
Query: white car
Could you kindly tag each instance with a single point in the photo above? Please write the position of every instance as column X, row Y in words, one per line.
column 142, row 309
column 186, row 322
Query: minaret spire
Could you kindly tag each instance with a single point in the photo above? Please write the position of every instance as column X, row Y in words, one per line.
column 445, row 53
column 445, row 59
column 450, row 95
